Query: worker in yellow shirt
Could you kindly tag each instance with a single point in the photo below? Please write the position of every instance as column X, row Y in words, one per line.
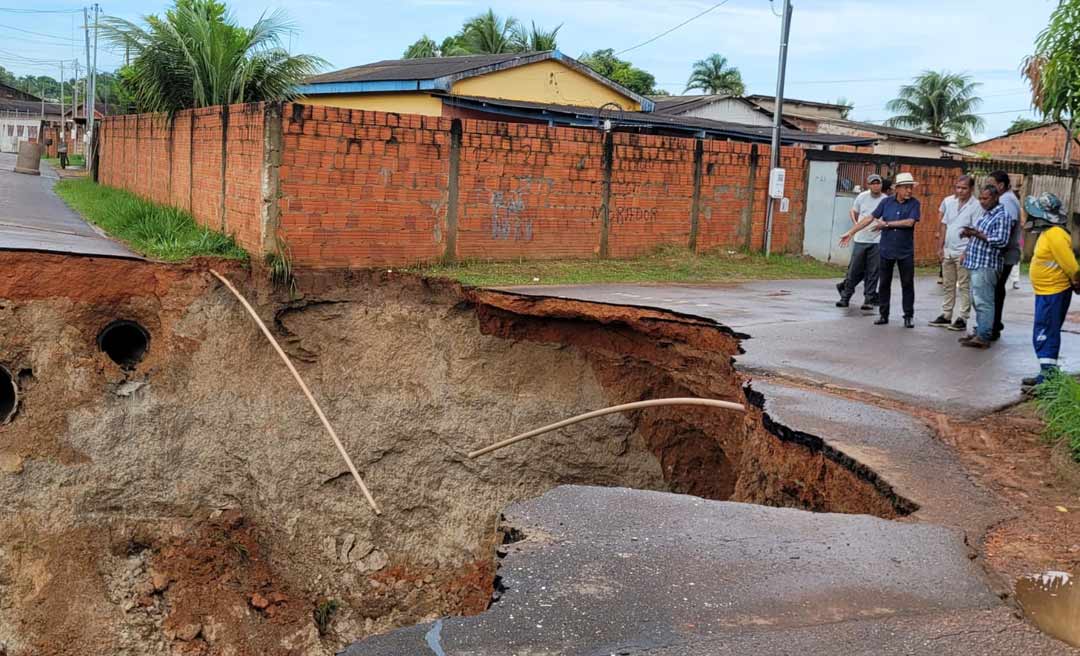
column 1055, row 276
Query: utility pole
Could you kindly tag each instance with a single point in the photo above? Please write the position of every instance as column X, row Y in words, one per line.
column 776, row 174
column 63, row 123
column 86, row 109
column 93, row 95
column 1066, row 158
column 75, row 95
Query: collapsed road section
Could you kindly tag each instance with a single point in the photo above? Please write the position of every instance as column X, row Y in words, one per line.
column 165, row 488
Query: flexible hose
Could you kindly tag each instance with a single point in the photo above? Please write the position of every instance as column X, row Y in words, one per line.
column 728, row 405
column 304, row 388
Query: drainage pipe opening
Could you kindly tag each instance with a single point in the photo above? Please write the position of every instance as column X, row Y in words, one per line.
column 125, row 342
column 9, row 396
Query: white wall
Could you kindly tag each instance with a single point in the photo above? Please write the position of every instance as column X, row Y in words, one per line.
column 15, row 129
column 730, row 110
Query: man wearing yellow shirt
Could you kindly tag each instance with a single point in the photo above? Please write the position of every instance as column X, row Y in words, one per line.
column 1055, row 276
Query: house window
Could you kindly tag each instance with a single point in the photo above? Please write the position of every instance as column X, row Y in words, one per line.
column 32, row 132
column 11, row 130
column 21, row 130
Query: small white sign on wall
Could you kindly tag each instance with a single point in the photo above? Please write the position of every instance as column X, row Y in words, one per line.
column 785, row 205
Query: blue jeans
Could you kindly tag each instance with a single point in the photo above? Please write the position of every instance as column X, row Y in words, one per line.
column 983, row 283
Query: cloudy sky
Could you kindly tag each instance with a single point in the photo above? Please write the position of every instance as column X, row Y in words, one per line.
column 861, row 50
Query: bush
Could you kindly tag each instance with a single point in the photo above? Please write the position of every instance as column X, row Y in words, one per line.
column 1058, row 399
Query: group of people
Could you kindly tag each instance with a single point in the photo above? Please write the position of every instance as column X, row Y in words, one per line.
column 980, row 247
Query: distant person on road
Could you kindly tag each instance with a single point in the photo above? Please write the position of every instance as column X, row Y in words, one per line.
column 1012, row 250
column 61, row 151
column 1055, row 277
column 863, row 266
column 958, row 211
column 895, row 217
column 983, row 260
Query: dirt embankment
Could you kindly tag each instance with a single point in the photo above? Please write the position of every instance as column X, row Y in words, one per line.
column 192, row 505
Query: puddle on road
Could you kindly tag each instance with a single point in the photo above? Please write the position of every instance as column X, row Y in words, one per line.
column 1052, row 602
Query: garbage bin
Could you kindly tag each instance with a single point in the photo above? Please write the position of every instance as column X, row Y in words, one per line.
column 29, row 159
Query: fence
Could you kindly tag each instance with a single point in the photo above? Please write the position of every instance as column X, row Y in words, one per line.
column 347, row 187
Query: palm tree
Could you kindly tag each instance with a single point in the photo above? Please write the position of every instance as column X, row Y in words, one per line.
column 424, row 47
column 940, row 103
column 197, row 56
column 489, row 34
column 847, row 105
column 536, row 39
column 712, row 75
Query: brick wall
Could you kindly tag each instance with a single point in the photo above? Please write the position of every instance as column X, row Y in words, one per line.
column 1043, row 143
column 152, row 157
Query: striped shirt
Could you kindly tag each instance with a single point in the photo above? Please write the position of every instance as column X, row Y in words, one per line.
column 995, row 224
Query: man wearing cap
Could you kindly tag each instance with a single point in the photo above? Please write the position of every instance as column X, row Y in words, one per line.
column 863, row 266
column 958, row 211
column 1055, row 276
column 895, row 218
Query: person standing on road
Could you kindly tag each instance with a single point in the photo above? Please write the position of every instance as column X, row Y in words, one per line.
column 1055, row 276
column 1011, row 256
column 958, row 211
column 983, row 260
column 895, row 217
column 61, row 152
column 863, row 266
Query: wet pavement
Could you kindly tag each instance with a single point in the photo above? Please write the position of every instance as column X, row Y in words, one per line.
column 796, row 329
column 34, row 218
column 619, row 571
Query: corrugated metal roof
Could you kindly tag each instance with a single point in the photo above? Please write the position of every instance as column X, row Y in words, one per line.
column 590, row 116
column 31, row 106
column 682, row 104
column 427, row 68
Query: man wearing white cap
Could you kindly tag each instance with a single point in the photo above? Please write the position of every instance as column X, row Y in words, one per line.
column 895, row 218
column 864, row 256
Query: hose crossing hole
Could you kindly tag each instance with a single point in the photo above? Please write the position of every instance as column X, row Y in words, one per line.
column 9, row 396
column 125, row 342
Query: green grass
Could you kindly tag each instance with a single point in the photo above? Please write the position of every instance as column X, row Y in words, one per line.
column 159, row 232
column 666, row 265
column 1058, row 400
column 73, row 160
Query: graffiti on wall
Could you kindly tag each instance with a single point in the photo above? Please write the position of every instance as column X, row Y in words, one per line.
column 507, row 220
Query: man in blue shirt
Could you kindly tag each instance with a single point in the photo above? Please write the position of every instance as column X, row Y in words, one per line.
column 984, row 259
column 896, row 217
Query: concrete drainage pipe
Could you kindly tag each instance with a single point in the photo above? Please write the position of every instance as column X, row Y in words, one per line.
column 9, row 396
column 125, row 342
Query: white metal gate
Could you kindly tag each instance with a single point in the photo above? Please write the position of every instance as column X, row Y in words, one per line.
column 829, row 197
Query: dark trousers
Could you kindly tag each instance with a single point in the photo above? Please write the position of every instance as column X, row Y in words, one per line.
column 63, row 160
column 906, row 266
column 862, row 268
column 999, row 297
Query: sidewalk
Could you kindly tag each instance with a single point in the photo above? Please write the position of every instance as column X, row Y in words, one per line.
column 33, row 218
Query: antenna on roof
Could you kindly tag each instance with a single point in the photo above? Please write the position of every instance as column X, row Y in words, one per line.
column 608, row 116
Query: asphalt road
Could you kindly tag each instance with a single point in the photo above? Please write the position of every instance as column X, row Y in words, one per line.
column 33, row 218
column 796, row 329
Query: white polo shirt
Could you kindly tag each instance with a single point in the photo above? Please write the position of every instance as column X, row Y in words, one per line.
column 956, row 217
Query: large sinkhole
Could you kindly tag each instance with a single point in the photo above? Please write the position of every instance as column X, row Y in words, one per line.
column 9, row 395
column 413, row 375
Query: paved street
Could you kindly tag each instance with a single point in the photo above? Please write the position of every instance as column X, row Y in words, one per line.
column 795, row 329
column 33, row 218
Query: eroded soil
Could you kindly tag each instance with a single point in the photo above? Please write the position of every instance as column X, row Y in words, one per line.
column 192, row 505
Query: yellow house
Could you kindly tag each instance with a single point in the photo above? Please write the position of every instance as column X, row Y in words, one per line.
column 429, row 86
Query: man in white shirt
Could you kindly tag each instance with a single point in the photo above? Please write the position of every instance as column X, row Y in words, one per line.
column 958, row 211
column 863, row 266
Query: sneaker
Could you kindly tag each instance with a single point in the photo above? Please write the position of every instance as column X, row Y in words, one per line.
column 909, row 322
column 842, row 303
column 976, row 342
column 941, row 322
column 1032, row 381
column 959, row 324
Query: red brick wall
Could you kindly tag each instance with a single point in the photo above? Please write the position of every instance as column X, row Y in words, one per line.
column 147, row 156
column 1045, row 143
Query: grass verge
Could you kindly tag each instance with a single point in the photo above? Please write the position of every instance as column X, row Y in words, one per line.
column 668, row 264
column 1058, row 399
column 159, row 232
column 74, row 160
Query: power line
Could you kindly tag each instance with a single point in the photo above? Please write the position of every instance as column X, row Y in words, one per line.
column 20, row 10
column 51, row 36
column 1006, row 111
column 665, row 33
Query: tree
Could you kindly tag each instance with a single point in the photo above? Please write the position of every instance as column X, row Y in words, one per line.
column 621, row 71
column 713, row 75
column 198, row 56
column 424, row 47
column 940, row 103
column 536, row 39
column 847, row 105
column 1053, row 71
column 1020, row 124
column 489, row 34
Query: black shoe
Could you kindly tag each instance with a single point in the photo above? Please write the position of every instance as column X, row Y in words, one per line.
column 1031, row 381
column 842, row 303
column 941, row 322
column 866, row 306
column 881, row 321
column 995, row 336
column 909, row 322
column 840, row 288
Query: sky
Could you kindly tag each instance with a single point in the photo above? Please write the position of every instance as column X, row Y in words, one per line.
column 860, row 50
